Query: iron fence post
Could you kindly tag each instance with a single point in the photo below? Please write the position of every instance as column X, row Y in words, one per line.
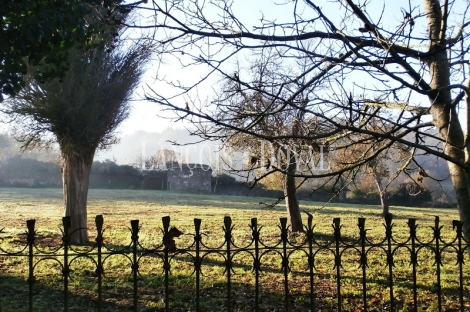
column 166, row 263
column 311, row 259
column 337, row 235
column 458, row 226
column 228, row 262
column 390, row 263
column 135, row 263
column 99, row 266
column 414, row 261
column 256, row 261
column 362, row 234
column 197, row 261
column 30, row 239
column 285, row 261
column 438, row 260
column 66, row 269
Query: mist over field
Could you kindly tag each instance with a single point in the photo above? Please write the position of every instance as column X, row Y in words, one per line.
column 136, row 144
column 37, row 164
column 130, row 147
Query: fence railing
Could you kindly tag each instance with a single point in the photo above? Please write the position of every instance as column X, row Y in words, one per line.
column 302, row 256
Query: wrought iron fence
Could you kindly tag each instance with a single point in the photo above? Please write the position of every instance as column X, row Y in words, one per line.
column 309, row 252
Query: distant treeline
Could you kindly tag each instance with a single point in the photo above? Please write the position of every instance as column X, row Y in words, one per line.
column 406, row 194
column 20, row 171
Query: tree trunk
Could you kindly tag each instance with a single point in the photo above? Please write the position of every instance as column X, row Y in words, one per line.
column 342, row 190
column 446, row 120
column 461, row 181
column 445, row 116
column 290, row 195
column 216, row 182
column 382, row 194
column 75, row 179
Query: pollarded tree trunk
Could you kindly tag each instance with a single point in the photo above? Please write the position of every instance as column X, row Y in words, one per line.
column 75, row 179
column 290, row 195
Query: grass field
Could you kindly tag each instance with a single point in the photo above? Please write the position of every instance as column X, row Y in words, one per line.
column 118, row 207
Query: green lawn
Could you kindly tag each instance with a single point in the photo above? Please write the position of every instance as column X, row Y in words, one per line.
column 118, row 207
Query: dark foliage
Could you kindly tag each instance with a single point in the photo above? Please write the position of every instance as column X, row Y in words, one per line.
column 410, row 194
column 37, row 32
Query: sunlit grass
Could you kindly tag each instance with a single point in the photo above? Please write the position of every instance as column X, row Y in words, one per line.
column 120, row 206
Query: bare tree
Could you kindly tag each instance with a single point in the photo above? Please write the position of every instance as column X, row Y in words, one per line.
column 158, row 160
column 239, row 106
column 80, row 112
column 384, row 168
column 164, row 157
column 382, row 62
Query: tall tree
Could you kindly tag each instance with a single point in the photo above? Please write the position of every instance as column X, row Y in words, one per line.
column 392, row 59
column 80, row 112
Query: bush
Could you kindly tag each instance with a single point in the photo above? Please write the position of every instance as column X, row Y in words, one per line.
column 366, row 195
column 228, row 185
column 409, row 194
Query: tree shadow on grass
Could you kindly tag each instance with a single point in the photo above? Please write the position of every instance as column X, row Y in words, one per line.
column 182, row 296
column 118, row 292
column 118, row 289
column 14, row 296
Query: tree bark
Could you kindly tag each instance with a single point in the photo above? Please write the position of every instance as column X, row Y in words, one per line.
column 445, row 116
column 216, row 182
column 342, row 190
column 382, row 195
column 290, row 196
column 75, row 179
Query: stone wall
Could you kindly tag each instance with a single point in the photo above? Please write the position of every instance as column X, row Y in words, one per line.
column 190, row 177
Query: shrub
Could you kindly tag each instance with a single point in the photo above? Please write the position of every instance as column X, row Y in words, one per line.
column 409, row 194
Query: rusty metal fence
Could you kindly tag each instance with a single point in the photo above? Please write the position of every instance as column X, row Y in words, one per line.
column 311, row 247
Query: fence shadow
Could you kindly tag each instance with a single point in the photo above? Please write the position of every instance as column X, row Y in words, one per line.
column 308, row 272
column 14, row 296
column 117, row 295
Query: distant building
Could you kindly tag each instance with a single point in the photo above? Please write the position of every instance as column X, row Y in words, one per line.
column 189, row 177
column 179, row 177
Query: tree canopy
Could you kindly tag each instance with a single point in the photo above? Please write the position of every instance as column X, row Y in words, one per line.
column 35, row 32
